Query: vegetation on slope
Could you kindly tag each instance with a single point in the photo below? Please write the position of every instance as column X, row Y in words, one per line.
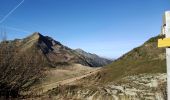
column 147, row 58
column 18, row 70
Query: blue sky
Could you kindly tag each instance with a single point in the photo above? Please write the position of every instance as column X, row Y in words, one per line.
column 108, row 28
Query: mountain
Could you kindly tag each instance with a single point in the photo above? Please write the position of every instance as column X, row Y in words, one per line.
column 93, row 59
column 56, row 53
column 147, row 58
column 24, row 62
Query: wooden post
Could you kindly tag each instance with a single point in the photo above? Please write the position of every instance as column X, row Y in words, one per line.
column 166, row 43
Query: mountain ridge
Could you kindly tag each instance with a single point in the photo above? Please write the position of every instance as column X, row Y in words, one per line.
column 55, row 52
column 147, row 58
column 93, row 58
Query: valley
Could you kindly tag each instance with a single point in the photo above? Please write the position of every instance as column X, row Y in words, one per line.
column 58, row 77
column 84, row 50
column 44, row 69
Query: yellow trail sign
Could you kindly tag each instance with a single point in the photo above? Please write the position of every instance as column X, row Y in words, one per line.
column 165, row 42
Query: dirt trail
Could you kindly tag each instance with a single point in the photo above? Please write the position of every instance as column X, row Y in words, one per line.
column 47, row 87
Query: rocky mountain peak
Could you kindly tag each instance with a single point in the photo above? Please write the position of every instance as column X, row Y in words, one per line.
column 38, row 38
column 35, row 35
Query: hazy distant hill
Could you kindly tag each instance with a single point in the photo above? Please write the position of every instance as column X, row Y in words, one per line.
column 147, row 58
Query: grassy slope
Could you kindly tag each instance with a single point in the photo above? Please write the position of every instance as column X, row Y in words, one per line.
column 143, row 59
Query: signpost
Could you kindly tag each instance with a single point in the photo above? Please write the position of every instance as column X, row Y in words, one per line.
column 165, row 42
